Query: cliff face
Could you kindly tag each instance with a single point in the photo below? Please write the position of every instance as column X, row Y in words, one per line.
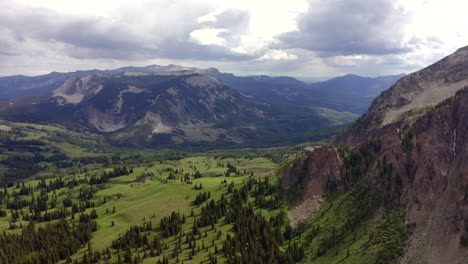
column 313, row 178
column 417, row 161
column 437, row 199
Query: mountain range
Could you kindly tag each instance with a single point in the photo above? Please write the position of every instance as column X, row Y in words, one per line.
column 160, row 105
column 351, row 93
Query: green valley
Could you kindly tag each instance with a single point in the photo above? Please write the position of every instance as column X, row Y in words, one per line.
column 168, row 205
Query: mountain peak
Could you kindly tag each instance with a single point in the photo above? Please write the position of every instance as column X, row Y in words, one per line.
column 351, row 76
column 462, row 49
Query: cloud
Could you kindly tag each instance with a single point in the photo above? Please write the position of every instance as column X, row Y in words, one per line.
column 182, row 31
column 208, row 36
column 312, row 39
column 234, row 19
column 123, row 36
column 350, row 27
column 278, row 55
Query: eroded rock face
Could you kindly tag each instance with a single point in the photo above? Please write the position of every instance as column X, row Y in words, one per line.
column 169, row 107
column 105, row 120
column 76, row 89
column 437, row 200
column 321, row 168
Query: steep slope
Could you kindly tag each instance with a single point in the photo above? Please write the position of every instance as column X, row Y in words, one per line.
column 415, row 162
column 412, row 93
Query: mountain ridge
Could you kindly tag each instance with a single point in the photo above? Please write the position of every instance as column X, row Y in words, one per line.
column 424, row 88
column 272, row 89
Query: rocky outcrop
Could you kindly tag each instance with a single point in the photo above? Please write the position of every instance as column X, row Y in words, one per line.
column 76, row 89
column 313, row 179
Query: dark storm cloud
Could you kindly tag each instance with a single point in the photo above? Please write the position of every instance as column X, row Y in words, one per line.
column 98, row 37
column 350, row 27
column 184, row 50
column 173, row 50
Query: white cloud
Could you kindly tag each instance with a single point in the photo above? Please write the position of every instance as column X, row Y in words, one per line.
column 278, row 55
column 208, row 36
column 240, row 36
column 210, row 17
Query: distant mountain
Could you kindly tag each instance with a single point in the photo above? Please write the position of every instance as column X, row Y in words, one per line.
column 169, row 107
column 350, row 93
column 272, row 89
column 20, row 85
column 144, row 109
column 154, row 105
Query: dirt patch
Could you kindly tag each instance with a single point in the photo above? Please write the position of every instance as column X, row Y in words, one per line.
column 143, row 179
column 5, row 128
column 302, row 210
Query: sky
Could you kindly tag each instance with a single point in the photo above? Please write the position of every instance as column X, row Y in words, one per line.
column 307, row 39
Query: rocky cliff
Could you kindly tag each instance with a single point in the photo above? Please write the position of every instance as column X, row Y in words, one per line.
column 409, row 150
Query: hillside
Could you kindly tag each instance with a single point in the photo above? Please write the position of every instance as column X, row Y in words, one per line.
column 402, row 164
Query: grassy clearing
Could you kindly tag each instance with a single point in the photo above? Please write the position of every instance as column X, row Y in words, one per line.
column 150, row 201
column 136, row 202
